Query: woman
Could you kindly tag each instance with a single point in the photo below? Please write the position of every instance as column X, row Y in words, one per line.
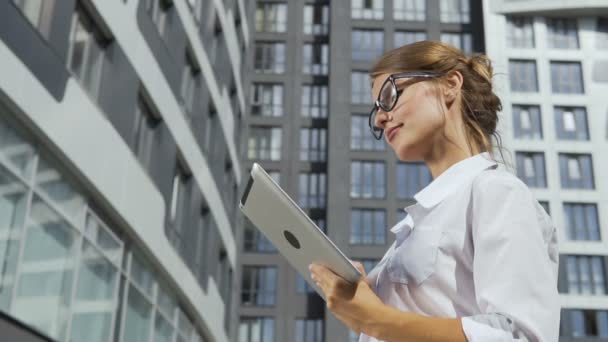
column 476, row 258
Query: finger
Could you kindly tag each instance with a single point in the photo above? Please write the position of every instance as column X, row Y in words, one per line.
column 360, row 267
column 323, row 274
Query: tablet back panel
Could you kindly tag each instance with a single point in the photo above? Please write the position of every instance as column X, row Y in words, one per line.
column 290, row 230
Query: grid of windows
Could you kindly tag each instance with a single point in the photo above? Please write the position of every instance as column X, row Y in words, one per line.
column 527, row 122
column 461, row 40
column 367, row 227
column 455, row 11
column 259, row 286
column 315, row 101
column 367, row 9
column 367, row 179
column 576, row 171
column 571, row 123
column 360, row 83
column 312, row 190
column 316, row 19
column 267, row 99
column 581, row 221
column 531, row 168
column 256, row 329
column 360, row 136
column 402, row 38
column 411, row 178
column 83, row 259
column 567, row 77
column 366, row 45
column 271, row 17
column 86, row 53
column 309, row 330
column 586, row 275
column 522, row 75
column 410, row 10
column 313, row 144
column 269, row 57
column 315, row 59
column 562, row 33
column 264, row 143
column 584, row 323
column 520, row 32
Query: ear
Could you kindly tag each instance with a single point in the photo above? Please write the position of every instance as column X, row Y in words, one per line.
column 452, row 86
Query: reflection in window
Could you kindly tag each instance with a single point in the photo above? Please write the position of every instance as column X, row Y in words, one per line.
column 581, row 221
column 520, row 32
column 455, row 11
column 315, row 59
column 576, row 171
column 367, row 9
column 264, row 143
column 408, row 37
column 367, row 227
column 562, row 33
column 527, row 122
column 523, row 76
column 256, row 329
column 409, row 10
column 316, row 19
column 531, row 168
column 366, row 45
column 367, row 179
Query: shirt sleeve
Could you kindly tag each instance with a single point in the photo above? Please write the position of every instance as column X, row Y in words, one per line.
column 515, row 277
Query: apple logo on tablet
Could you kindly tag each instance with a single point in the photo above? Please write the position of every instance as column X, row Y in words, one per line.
column 291, row 239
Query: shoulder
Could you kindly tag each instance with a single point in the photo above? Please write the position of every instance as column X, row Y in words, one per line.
column 500, row 183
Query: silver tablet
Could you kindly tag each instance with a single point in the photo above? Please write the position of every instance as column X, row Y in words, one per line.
column 290, row 230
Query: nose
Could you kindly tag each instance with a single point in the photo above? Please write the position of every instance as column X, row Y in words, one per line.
column 381, row 118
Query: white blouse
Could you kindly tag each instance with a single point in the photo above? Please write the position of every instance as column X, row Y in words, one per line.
column 476, row 245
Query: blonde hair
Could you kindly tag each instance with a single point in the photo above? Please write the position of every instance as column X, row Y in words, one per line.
column 480, row 106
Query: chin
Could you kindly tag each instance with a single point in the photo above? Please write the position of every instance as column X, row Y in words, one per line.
column 408, row 153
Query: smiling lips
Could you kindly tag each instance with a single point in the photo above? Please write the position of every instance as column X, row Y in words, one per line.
column 390, row 133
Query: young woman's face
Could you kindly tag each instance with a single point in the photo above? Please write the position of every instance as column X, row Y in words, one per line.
column 416, row 122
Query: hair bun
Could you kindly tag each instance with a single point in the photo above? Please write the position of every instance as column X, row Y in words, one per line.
column 481, row 65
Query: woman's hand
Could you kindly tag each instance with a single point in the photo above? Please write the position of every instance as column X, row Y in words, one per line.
column 356, row 305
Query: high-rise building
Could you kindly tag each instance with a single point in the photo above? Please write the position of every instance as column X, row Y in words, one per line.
column 309, row 102
column 551, row 64
column 120, row 143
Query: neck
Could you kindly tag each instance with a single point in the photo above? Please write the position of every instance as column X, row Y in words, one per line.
column 449, row 152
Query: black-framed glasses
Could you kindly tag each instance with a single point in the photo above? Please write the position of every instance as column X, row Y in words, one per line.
column 389, row 94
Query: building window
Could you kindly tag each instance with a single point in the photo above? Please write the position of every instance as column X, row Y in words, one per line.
column 601, row 34
column 189, row 88
column 367, row 179
column 586, row 275
column 531, row 168
column 302, row 286
column 367, row 9
column 267, row 99
column 264, row 143
column 566, row 78
column 455, row 11
column 584, row 323
column 576, row 171
column 545, row 205
column 523, row 76
column 520, row 32
column 315, row 59
column 158, row 11
column 86, row 53
column 269, row 57
column 255, row 241
column 460, row 40
column 313, row 144
column 411, row 178
column 366, row 45
column 409, row 10
column 312, row 190
column 360, row 136
column 571, row 123
column 562, row 33
column 271, row 17
column 527, row 122
column 315, row 101
column 408, row 37
column 316, row 19
column 259, row 286
column 178, row 207
column 361, row 88
column 309, row 330
column 367, row 227
column 146, row 132
column 256, row 329
column 38, row 12
column 581, row 221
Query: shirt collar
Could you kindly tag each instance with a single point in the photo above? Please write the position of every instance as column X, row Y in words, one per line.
column 453, row 178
